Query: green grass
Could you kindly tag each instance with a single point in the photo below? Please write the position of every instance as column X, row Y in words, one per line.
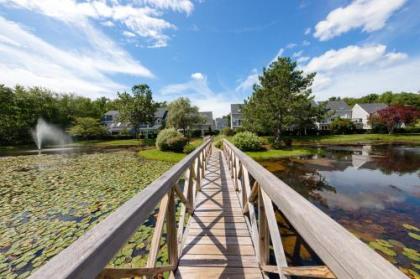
column 154, row 154
column 359, row 139
column 277, row 154
column 104, row 143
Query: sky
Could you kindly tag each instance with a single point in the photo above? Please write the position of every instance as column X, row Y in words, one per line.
column 210, row 51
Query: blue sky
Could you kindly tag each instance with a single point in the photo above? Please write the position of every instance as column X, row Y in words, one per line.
column 208, row 50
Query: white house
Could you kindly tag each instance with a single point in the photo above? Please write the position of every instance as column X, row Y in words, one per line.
column 208, row 121
column 221, row 122
column 362, row 112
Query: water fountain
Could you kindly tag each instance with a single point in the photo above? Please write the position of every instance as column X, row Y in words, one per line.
column 45, row 132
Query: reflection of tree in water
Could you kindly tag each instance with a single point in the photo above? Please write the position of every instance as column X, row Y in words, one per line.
column 306, row 181
column 396, row 159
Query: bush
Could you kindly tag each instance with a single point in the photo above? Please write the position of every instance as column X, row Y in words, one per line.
column 189, row 148
column 247, row 141
column 228, row 132
column 87, row 128
column 342, row 126
column 219, row 144
column 170, row 140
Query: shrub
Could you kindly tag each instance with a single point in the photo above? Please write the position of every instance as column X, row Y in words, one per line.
column 189, row 148
column 87, row 128
column 219, row 144
column 228, row 132
column 342, row 126
column 247, row 141
column 170, row 140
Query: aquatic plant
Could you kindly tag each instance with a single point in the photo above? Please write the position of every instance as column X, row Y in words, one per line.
column 48, row 201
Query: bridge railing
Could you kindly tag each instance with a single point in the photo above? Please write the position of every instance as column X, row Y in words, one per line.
column 88, row 256
column 343, row 254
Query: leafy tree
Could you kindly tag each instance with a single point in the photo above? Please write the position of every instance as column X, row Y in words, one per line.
column 274, row 104
column 389, row 98
column 138, row 107
column 182, row 115
column 395, row 116
column 87, row 127
column 342, row 126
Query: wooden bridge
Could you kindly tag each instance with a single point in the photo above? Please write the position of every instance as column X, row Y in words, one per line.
column 226, row 228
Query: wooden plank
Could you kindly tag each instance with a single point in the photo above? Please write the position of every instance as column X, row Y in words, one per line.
column 340, row 250
column 157, row 233
column 171, row 231
column 210, row 219
column 264, row 240
column 221, row 225
column 309, row 271
column 218, row 272
column 182, row 198
column 224, row 240
column 274, row 234
column 218, row 260
column 88, row 255
column 111, row 273
column 219, row 232
column 211, row 249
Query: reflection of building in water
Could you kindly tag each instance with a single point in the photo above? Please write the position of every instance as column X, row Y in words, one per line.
column 358, row 160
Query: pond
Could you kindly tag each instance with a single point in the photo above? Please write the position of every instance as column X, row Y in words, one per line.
column 373, row 191
column 47, row 201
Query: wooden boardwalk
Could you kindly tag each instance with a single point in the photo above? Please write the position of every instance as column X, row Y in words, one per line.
column 218, row 243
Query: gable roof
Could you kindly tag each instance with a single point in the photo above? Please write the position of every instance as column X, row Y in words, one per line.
column 235, row 108
column 373, row 107
column 337, row 105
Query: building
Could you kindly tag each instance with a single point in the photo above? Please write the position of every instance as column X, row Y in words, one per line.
column 235, row 116
column 337, row 109
column 115, row 126
column 221, row 123
column 112, row 123
column 362, row 112
column 208, row 121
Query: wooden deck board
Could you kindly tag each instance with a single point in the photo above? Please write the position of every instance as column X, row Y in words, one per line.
column 218, row 244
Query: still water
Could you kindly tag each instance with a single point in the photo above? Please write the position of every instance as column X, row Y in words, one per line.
column 373, row 191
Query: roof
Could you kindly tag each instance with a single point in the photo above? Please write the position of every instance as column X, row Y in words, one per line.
column 337, row 105
column 208, row 115
column 235, row 108
column 112, row 112
column 373, row 107
column 160, row 112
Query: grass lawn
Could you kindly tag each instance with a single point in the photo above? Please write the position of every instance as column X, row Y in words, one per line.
column 154, row 154
column 358, row 139
column 103, row 143
column 276, row 154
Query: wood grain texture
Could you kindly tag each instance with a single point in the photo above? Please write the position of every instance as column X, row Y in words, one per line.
column 218, row 244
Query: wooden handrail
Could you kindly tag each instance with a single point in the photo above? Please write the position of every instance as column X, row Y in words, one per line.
column 342, row 253
column 88, row 256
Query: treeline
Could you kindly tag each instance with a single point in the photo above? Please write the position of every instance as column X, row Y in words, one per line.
column 21, row 107
column 389, row 98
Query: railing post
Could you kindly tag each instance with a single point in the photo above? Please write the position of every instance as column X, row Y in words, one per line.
column 264, row 237
column 171, row 230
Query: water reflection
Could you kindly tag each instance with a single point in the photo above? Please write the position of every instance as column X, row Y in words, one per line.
column 374, row 191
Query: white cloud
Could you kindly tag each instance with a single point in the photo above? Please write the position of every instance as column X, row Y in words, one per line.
column 28, row 60
column 128, row 34
column 359, row 70
column 108, row 23
column 247, row 84
column 197, row 76
column 370, row 15
column 308, row 31
column 352, row 56
column 200, row 94
column 306, row 43
column 297, row 54
column 291, row 45
column 175, row 5
column 144, row 19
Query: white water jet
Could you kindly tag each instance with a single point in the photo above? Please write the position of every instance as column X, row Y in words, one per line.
column 45, row 132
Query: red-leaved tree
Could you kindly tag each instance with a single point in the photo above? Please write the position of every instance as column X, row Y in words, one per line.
column 395, row 116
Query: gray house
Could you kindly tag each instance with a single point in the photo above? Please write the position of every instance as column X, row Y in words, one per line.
column 221, row 123
column 115, row 126
column 236, row 116
column 337, row 109
column 208, row 121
